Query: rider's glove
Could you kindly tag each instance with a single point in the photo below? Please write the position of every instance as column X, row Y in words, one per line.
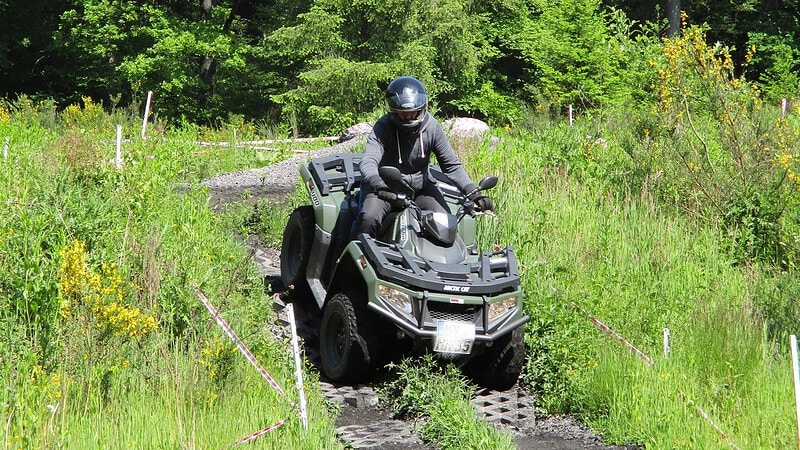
column 387, row 196
column 483, row 202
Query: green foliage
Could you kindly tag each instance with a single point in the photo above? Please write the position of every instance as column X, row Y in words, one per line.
column 97, row 303
column 498, row 108
column 729, row 157
column 332, row 93
column 359, row 46
column 739, row 374
column 199, row 68
column 316, row 35
column 475, row 57
column 776, row 298
column 632, row 46
column 679, row 212
column 637, row 268
column 569, row 54
column 440, row 394
column 776, row 59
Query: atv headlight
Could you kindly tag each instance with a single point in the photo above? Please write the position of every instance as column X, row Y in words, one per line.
column 398, row 299
column 499, row 308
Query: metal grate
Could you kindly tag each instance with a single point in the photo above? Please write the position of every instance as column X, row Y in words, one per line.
column 444, row 311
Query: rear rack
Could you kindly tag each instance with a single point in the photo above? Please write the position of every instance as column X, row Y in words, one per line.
column 493, row 273
column 336, row 170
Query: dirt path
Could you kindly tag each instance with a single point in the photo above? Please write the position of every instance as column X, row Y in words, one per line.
column 362, row 423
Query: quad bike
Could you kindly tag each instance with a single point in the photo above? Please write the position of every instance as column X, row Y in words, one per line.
column 420, row 286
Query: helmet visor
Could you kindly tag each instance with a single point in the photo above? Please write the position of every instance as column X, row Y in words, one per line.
column 408, row 116
column 407, row 100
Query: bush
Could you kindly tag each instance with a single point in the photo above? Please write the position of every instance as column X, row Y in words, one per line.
column 724, row 154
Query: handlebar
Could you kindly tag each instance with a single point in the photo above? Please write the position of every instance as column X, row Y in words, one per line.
column 467, row 205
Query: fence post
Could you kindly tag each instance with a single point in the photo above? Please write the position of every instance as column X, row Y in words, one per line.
column 298, row 366
column 146, row 112
column 796, row 373
column 570, row 114
column 5, row 148
column 118, row 157
column 667, row 348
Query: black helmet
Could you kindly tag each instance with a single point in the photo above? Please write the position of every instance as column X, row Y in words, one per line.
column 405, row 95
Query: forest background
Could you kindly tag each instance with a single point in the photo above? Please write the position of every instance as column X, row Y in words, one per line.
column 672, row 200
column 314, row 66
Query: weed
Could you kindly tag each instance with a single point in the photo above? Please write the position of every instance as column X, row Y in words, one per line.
column 438, row 393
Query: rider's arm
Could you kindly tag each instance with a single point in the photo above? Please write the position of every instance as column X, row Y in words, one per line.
column 370, row 161
column 451, row 165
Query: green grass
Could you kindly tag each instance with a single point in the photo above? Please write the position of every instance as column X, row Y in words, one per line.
column 101, row 375
column 439, row 396
column 184, row 412
column 638, row 268
column 590, row 224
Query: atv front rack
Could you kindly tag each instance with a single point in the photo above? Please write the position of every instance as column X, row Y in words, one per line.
column 493, row 273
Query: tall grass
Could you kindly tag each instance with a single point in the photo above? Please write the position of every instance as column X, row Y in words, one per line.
column 104, row 343
column 679, row 214
column 182, row 410
column 439, row 395
column 639, row 267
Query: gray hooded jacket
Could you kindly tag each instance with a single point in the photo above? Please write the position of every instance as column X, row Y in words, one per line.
column 388, row 145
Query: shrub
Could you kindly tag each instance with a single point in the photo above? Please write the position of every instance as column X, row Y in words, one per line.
column 725, row 156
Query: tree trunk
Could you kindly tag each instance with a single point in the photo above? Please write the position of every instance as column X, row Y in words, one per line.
column 208, row 65
column 674, row 15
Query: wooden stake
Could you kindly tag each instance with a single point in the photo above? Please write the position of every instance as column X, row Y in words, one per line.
column 298, row 365
column 118, row 158
column 796, row 372
column 146, row 112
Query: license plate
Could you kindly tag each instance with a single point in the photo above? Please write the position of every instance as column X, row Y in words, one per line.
column 454, row 337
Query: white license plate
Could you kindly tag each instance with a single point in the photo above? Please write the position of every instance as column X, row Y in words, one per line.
column 454, row 337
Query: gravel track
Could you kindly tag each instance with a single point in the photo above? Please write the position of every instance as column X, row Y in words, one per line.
column 362, row 423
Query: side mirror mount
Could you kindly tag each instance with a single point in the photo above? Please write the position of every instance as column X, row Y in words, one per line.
column 487, row 183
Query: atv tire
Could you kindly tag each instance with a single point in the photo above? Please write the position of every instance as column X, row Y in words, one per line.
column 347, row 341
column 298, row 237
column 500, row 365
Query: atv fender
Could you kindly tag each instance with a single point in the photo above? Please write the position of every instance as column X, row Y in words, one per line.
column 352, row 271
column 316, row 263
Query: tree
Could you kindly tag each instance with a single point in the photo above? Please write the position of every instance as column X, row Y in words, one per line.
column 203, row 59
column 27, row 59
column 559, row 52
column 347, row 48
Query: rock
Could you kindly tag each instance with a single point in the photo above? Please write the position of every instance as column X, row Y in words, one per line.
column 359, row 129
column 465, row 127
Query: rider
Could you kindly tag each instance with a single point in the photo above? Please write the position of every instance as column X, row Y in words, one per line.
column 405, row 138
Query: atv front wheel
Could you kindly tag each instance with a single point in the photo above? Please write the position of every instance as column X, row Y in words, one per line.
column 298, row 237
column 499, row 366
column 347, row 341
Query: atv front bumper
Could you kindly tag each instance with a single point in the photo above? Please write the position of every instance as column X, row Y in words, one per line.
column 418, row 296
column 419, row 314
